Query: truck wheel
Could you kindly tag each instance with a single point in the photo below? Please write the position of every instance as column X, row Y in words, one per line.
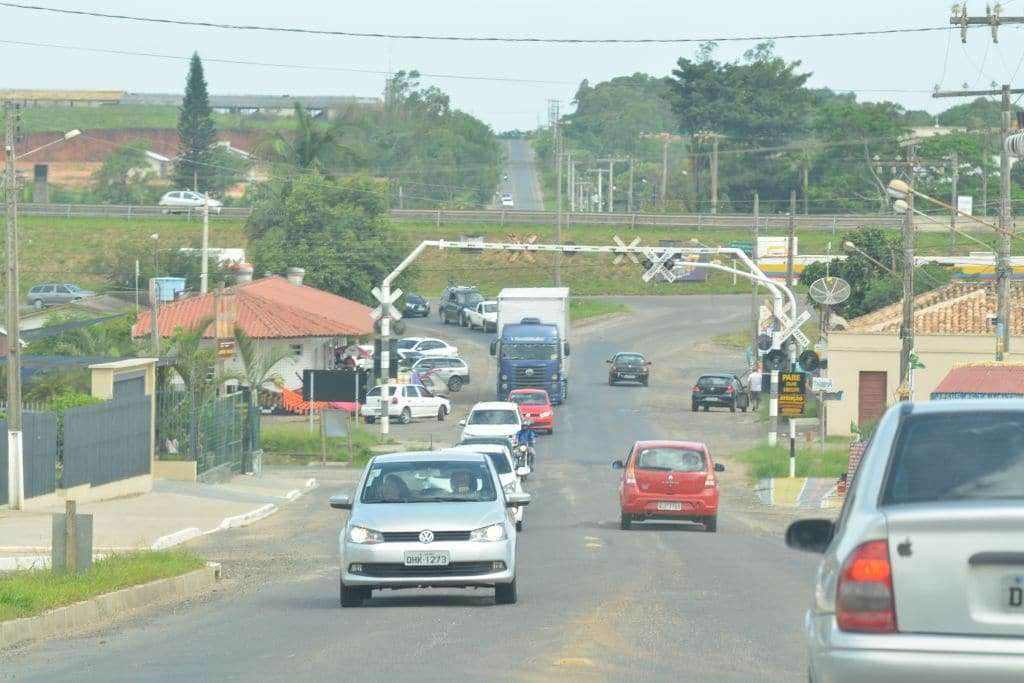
column 406, row 416
column 455, row 384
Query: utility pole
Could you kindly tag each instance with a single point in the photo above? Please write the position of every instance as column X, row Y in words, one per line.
column 755, row 309
column 629, row 202
column 600, row 186
column 15, row 462
column 984, row 173
column 664, row 171
column 907, row 331
column 570, row 182
column 792, row 238
column 154, row 328
column 714, row 174
column 953, row 201
column 1003, row 269
column 611, row 180
column 204, row 276
column 558, row 206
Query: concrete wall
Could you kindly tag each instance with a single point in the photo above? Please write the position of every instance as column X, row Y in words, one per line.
column 849, row 354
column 177, row 470
column 105, row 374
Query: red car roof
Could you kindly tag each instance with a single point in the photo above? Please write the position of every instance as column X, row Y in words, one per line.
column 692, row 445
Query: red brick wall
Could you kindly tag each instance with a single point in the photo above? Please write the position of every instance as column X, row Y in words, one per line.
column 856, row 453
column 96, row 145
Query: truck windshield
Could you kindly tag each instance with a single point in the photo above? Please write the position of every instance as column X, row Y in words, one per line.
column 529, row 352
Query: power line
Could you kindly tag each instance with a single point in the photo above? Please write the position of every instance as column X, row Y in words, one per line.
column 455, row 38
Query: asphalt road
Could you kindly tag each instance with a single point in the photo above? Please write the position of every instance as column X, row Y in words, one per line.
column 523, row 182
column 595, row 603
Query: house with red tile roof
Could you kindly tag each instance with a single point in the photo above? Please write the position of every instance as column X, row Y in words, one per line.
column 276, row 312
column 953, row 326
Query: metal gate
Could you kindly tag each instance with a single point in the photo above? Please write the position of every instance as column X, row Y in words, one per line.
column 39, row 445
column 107, row 442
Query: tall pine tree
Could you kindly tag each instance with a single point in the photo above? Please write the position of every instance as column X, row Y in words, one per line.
column 196, row 133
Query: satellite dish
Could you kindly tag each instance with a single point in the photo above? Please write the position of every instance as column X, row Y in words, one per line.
column 829, row 291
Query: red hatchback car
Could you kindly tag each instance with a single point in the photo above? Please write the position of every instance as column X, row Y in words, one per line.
column 535, row 405
column 669, row 480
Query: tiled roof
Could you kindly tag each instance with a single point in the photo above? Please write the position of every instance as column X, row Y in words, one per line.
column 269, row 308
column 983, row 378
column 965, row 308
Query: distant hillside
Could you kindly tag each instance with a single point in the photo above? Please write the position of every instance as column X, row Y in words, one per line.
column 51, row 119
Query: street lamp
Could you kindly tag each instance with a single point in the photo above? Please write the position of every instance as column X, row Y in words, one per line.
column 67, row 136
column 156, row 253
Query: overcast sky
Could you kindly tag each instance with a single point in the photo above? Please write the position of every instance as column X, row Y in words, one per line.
column 914, row 62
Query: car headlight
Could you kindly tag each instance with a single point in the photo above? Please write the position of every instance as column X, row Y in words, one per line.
column 358, row 534
column 504, row 378
column 546, row 413
column 510, row 487
column 494, row 532
column 554, row 376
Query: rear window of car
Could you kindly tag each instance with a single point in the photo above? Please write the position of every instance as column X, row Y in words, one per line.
column 950, row 456
column 671, row 459
column 705, row 382
column 500, row 461
column 629, row 359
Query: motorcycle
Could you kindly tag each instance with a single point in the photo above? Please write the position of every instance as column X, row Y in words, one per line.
column 524, row 457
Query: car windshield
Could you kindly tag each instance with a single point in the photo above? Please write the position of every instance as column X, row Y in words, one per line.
column 671, row 460
column 406, row 343
column 496, row 416
column 415, row 299
column 490, row 308
column 529, row 351
column 469, row 299
column 529, row 399
column 957, row 456
column 629, row 359
column 424, row 481
column 712, row 381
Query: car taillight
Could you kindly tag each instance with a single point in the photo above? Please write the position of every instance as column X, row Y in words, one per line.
column 864, row 597
column 631, row 475
column 710, row 482
column 730, row 390
column 696, row 389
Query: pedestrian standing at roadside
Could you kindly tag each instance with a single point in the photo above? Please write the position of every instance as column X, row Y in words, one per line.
column 754, row 380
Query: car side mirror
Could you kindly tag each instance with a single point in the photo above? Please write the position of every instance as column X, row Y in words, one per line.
column 719, row 467
column 494, row 347
column 810, row 535
column 523, row 471
column 567, row 349
column 462, row 423
column 341, row 501
column 516, row 500
column 650, row 363
column 618, row 465
column 609, row 361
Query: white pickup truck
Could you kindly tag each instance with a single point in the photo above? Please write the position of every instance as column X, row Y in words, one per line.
column 484, row 316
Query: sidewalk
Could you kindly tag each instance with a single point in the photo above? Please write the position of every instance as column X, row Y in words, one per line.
column 173, row 513
column 805, row 492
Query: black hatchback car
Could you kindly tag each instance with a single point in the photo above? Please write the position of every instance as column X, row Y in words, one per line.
column 454, row 303
column 629, row 366
column 721, row 390
column 416, row 306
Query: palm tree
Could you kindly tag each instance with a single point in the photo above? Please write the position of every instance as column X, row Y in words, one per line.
column 311, row 146
column 196, row 364
column 258, row 364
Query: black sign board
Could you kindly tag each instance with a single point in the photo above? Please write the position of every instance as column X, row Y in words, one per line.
column 336, row 385
column 792, row 383
column 791, row 394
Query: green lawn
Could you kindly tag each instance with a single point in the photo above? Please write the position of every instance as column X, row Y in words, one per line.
column 765, row 461
column 27, row 593
column 581, row 309
column 290, row 442
column 59, row 119
column 53, row 248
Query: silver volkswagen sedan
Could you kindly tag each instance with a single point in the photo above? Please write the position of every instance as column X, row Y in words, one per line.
column 923, row 573
column 428, row 519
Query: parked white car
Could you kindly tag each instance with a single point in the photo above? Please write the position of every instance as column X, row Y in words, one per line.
column 492, row 418
column 180, row 201
column 427, row 347
column 405, row 402
column 484, row 316
column 506, row 201
column 511, row 478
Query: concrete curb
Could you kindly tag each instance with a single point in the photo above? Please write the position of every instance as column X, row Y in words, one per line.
column 247, row 518
column 101, row 608
column 178, row 537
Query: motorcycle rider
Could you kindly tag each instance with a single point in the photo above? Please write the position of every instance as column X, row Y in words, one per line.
column 527, row 437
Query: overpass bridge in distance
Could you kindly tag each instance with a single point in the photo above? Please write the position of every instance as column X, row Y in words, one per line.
column 328, row 105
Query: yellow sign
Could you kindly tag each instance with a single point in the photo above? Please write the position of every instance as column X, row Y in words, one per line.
column 224, row 323
column 791, row 383
column 791, row 405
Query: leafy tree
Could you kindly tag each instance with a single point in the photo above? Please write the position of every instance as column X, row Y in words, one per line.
column 337, row 229
column 874, row 272
column 123, row 177
column 978, row 114
column 227, row 169
column 109, row 338
column 195, row 362
column 117, row 265
column 47, row 386
column 258, row 364
column 196, row 132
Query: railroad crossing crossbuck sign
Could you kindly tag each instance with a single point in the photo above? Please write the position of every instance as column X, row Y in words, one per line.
column 658, row 263
column 791, row 328
column 514, row 239
column 389, row 304
column 624, row 254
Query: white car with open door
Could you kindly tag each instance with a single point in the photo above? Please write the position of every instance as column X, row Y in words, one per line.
column 427, row 347
column 923, row 573
column 405, row 402
column 511, row 478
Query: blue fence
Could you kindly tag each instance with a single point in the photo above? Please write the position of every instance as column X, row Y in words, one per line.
column 40, row 454
column 106, row 442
